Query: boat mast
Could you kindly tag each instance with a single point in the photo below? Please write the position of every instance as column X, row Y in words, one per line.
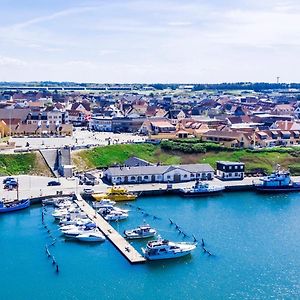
column 18, row 189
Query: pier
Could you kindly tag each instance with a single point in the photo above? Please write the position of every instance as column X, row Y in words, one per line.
column 130, row 253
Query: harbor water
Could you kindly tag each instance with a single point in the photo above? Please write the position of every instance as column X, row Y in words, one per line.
column 254, row 239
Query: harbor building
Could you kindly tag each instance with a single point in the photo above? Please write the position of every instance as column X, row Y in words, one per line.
column 227, row 170
column 150, row 173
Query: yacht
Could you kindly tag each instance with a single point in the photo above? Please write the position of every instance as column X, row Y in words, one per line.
column 71, row 233
column 164, row 249
column 74, row 221
column 141, row 232
column 278, row 181
column 94, row 236
column 116, row 216
column 200, row 189
column 115, row 194
column 102, row 203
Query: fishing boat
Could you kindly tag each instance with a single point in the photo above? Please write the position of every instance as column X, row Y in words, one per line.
column 278, row 181
column 95, row 236
column 116, row 216
column 164, row 249
column 201, row 189
column 14, row 205
column 115, row 194
column 141, row 232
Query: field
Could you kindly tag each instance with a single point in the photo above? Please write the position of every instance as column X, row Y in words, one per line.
column 110, row 155
column 25, row 163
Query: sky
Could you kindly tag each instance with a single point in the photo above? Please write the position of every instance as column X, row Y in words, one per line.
column 150, row 41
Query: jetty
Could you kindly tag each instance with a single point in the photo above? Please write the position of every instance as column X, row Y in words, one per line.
column 129, row 252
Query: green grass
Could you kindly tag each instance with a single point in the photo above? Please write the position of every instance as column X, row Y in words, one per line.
column 253, row 160
column 25, row 163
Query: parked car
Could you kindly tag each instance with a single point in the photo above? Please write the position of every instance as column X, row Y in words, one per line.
column 89, row 182
column 53, row 183
column 11, row 184
column 5, row 180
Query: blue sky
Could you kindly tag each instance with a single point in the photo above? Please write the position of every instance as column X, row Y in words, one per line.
column 150, row 41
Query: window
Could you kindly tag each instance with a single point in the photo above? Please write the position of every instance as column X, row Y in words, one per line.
column 132, row 177
column 236, row 174
column 146, row 177
column 235, row 167
column 185, row 176
column 230, row 167
column 168, row 177
column 241, row 167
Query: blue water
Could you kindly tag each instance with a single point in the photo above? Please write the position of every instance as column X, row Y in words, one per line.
column 255, row 240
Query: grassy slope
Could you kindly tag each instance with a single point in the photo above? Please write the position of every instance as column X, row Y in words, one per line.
column 105, row 156
column 25, row 163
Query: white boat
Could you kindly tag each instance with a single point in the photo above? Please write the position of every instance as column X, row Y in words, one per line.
column 71, row 233
column 101, row 203
column 116, row 216
column 95, row 236
column 201, row 189
column 164, row 249
column 141, row 232
column 74, row 221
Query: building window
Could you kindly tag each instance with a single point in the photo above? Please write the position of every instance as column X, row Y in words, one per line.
column 132, row 177
column 185, row 176
column 146, row 177
column 168, row 177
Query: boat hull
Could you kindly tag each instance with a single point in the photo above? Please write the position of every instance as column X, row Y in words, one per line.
column 22, row 205
column 199, row 194
column 167, row 256
column 277, row 189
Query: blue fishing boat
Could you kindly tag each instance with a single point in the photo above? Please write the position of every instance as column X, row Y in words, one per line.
column 278, row 181
column 13, row 206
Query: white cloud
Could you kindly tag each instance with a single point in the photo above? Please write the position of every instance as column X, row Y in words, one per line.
column 12, row 62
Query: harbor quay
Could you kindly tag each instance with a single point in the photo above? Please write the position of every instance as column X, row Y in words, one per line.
column 36, row 188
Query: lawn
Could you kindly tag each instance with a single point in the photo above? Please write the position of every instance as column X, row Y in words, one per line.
column 25, row 163
column 109, row 155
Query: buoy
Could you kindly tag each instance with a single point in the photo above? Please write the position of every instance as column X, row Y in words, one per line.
column 57, row 270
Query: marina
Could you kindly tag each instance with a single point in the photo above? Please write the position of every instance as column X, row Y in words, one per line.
column 246, row 232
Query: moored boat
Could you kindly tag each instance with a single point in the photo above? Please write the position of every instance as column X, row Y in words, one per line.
column 164, row 249
column 276, row 182
column 14, row 205
column 95, row 236
column 141, row 232
column 116, row 216
column 115, row 194
column 201, row 189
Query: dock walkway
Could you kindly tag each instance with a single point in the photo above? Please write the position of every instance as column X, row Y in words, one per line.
column 118, row 241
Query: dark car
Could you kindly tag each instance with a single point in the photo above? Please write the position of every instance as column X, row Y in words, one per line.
column 8, row 179
column 53, row 183
column 11, row 184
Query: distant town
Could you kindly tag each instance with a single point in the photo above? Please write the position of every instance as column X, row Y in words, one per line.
column 241, row 115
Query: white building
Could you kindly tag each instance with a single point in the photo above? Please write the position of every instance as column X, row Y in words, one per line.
column 144, row 174
column 101, row 123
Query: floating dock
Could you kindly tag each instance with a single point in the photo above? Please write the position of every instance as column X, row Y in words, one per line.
column 133, row 256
